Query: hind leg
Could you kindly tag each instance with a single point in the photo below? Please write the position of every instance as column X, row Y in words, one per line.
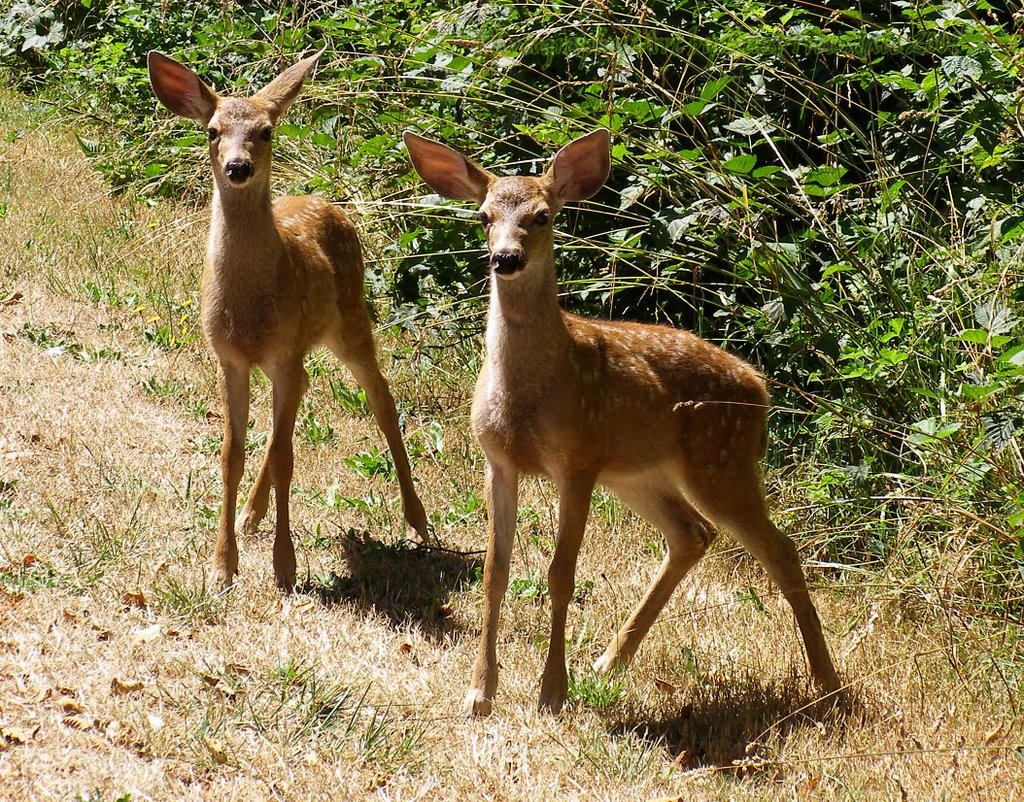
column 734, row 499
column 355, row 348
column 255, row 508
column 687, row 536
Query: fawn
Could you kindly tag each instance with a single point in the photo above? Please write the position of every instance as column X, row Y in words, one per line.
column 280, row 278
column 671, row 424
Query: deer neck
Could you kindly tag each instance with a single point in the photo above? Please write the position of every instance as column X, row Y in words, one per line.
column 244, row 241
column 527, row 340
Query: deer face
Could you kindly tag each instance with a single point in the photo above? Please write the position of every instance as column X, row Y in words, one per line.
column 516, row 216
column 240, row 129
column 240, row 134
column 516, row 212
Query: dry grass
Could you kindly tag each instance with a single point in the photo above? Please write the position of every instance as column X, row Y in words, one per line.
column 125, row 674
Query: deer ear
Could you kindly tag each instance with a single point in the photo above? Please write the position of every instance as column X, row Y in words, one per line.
column 280, row 93
column 580, row 169
column 179, row 89
column 446, row 171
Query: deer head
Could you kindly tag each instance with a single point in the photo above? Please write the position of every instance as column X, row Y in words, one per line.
column 516, row 211
column 240, row 129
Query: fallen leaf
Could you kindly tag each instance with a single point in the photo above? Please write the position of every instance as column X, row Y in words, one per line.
column 12, row 597
column 217, row 750
column 993, row 735
column 120, row 687
column 12, row 299
column 29, row 559
column 209, row 679
column 664, row 686
column 101, row 633
column 80, row 721
column 70, row 705
column 813, row 782
column 17, row 735
column 134, row 599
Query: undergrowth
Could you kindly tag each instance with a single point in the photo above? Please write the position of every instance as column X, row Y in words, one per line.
column 829, row 190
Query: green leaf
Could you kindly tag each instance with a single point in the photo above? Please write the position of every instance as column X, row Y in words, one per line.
column 748, row 126
column 825, row 176
column 713, row 87
column 976, row 336
column 1000, row 427
column 995, row 318
column 961, row 67
column 743, row 163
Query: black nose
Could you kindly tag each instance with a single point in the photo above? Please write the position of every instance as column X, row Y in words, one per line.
column 238, row 170
column 506, row 262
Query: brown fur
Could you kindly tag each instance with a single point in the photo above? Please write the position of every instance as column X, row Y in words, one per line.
column 670, row 423
column 280, row 279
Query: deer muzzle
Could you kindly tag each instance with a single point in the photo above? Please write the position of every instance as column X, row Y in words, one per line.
column 506, row 263
column 238, row 170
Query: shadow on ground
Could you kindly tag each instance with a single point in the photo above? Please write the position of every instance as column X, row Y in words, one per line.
column 408, row 584
column 724, row 724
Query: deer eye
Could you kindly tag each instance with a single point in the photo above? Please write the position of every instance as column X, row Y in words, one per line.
column 484, row 219
column 266, row 133
column 542, row 218
column 213, row 133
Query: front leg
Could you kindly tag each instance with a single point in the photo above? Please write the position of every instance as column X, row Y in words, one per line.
column 502, row 502
column 290, row 382
column 235, row 396
column 574, row 506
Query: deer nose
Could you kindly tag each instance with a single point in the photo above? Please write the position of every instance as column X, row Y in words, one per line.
column 238, row 170
column 506, row 262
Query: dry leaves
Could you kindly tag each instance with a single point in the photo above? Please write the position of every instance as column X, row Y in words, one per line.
column 120, row 687
column 16, row 736
column 664, row 686
column 217, row 749
column 134, row 600
column 11, row 300
column 102, row 633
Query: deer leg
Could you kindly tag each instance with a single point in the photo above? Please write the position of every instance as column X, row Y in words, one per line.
column 687, row 536
column 735, row 501
column 573, row 508
column 502, row 499
column 255, row 508
column 357, row 352
column 235, row 396
column 290, row 382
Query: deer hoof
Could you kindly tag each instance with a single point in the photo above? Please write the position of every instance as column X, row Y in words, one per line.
column 246, row 523
column 476, row 704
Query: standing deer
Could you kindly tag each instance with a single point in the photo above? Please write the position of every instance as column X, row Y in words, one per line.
column 281, row 278
column 668, row 422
